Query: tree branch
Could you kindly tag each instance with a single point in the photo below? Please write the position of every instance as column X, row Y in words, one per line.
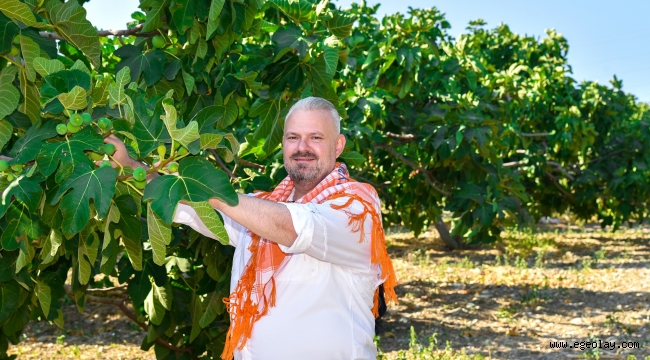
column 557, row 185
column 222, row 165
column 108, row 289
column 243, row 162
column 126, row 32
column 544, row 134
column 408, row 162
column 554, row 164
column 401, row 136
column 559, row 167
column 513, row 164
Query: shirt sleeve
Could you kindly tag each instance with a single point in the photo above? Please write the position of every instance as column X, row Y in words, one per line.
column 324, row 233
column 186, row 215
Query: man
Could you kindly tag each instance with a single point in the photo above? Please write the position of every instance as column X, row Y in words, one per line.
column 309, row 256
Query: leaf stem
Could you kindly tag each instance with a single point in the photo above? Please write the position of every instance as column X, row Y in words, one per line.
column 134, row 188
column 13, row 61
column 118, row 163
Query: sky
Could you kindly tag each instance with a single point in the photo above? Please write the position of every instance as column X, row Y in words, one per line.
column 606, row 38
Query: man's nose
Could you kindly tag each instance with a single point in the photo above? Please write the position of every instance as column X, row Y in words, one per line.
column 303, row 145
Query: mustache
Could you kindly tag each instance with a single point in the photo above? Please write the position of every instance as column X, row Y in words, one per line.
column 304, row 154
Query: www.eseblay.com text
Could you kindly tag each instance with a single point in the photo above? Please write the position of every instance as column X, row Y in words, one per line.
column 595, row 344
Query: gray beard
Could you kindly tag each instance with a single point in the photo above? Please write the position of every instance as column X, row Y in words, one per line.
column 304, row 175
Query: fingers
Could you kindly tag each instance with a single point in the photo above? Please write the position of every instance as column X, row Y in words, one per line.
column 112, row 139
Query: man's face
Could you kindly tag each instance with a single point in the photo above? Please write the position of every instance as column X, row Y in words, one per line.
column 310, row 146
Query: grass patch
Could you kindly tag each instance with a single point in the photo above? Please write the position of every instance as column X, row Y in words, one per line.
column 417, row 351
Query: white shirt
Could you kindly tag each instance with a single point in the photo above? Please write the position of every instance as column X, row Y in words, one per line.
column 325, row 290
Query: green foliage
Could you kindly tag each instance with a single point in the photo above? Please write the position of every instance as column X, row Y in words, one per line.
column 490, row 127
column 195, row 82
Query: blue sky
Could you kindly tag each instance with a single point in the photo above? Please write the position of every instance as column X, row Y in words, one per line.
column 606, row 38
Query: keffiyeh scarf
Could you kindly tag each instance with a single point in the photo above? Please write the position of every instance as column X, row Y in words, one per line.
column 255, row 292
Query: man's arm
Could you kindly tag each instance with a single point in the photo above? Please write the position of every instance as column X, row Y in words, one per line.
column 267, row 219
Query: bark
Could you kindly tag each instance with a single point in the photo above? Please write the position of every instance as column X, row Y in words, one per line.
column 453, row 242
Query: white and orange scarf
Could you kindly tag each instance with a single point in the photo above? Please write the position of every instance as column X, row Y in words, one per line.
column 255, row 291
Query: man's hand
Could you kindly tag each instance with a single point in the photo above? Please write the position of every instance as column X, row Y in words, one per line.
column 122, row 157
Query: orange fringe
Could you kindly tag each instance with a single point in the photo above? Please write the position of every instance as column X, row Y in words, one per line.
column 379, row 251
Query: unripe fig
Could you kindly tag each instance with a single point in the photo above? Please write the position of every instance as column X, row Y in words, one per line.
column 14, row 51
column 161, row 151
column 139, row 174
column 140, row 184
column 109, row 149
column 87, row 119
column 104, row 123
column 172, row 167
column 4, row 165
column 10, row 177
column 17, row 167
column 105, row 163
column 95, row 156
column 61, row 129
column 158, row 42
column 72, row 128
column 76, row 120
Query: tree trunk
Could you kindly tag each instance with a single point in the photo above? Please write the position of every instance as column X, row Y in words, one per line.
column 453, row 242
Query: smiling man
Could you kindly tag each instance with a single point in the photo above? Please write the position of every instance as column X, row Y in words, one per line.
column 309, row 255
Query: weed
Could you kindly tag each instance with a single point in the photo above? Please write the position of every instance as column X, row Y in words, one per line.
column 587, row 263
column 497, row 260
column 521, row 262
column 417, row 351
column 506, row 313
column 533, row 296
column 539, row 258
column 60, row 339
column 466, row 263
column 612, row 322
column 600, row 254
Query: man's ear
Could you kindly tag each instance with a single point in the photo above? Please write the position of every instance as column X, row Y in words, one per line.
column 340, row 144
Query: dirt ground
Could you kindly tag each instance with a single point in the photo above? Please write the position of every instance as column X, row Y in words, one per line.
column 572, row 285
column 502, row 302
